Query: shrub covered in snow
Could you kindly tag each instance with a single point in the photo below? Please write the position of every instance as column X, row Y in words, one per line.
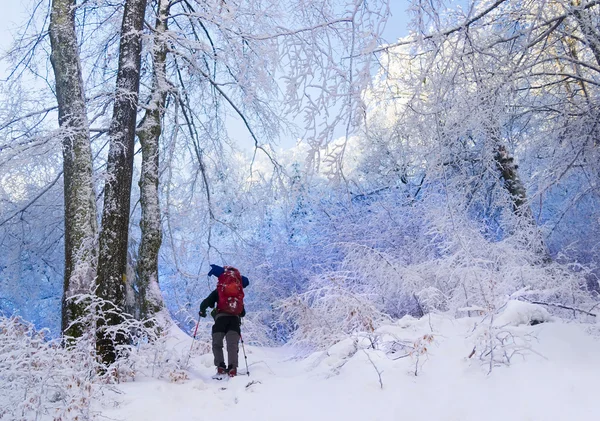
column 328, row 312
column 42, row 379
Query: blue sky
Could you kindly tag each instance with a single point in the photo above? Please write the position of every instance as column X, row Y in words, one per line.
column 12, row 12
column 398, row 22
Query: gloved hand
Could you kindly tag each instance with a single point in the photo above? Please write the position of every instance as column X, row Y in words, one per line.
column 216, row 270
column 202, row 313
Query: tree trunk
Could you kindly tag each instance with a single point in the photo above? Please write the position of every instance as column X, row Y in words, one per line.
column 80, row 205
column 518, row 193
column 112, row 261
column 512, row 182
column 150, row 299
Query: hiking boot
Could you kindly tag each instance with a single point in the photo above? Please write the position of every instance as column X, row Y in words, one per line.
column 221, row 369
column 232, row 372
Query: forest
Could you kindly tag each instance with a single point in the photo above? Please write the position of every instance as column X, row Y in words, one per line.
column 353, row 179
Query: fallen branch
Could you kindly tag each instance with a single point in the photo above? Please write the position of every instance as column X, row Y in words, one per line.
column 563, row 307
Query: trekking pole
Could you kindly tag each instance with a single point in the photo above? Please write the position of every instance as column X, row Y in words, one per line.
column 245, row 358
column 193, row 340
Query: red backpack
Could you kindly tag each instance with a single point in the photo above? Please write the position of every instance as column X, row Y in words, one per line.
column 231, row 292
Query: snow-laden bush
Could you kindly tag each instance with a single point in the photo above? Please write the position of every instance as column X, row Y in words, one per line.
column 47, row 379
column 329, row 311
column 466, row 269
column 40, row 379
column 496, row 346
column 379, row 274
column 500, row 336
column 157, row 359
column 147, row 350
column 457, row 270
column 481, row 273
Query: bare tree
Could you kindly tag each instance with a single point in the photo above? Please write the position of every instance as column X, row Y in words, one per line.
column 79, row 199
column 149, row 133
column 114, row 236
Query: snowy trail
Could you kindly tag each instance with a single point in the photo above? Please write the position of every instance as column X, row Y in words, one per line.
column 560, row 383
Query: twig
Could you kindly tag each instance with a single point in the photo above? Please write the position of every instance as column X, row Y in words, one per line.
column 252, row 383
column 594, row 306
column 35, row 199
column 472, row 352
column 401, row 356
column 375, row 367
column 417, row 366
column 462, row 26
column 262, row 362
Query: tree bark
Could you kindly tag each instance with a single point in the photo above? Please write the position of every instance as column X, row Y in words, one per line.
column 518, row 194
column 112, row 260
column 512, row 182
column 150, row 299
column 79, row 198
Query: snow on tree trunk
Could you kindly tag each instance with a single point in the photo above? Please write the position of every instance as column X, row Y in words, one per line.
column 518, row 193
column 80, row 206
column 150, row 299
column 512, row 181
column 112, row 260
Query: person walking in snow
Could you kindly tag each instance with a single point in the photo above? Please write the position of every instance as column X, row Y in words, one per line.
column 227, row 301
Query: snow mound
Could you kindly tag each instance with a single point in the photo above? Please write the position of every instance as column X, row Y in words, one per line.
column 522, row 313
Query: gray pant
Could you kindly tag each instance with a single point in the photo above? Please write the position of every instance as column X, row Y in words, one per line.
column 233, row 339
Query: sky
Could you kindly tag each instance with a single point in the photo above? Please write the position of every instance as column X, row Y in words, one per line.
column 13, row 13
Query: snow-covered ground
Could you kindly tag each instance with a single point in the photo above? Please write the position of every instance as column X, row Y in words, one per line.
column 554, row 375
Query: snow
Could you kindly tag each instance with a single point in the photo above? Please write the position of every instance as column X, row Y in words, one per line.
column 522, row 313
column 556, row 382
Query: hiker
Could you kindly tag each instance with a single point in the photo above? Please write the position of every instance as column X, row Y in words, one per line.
column 227, row 301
